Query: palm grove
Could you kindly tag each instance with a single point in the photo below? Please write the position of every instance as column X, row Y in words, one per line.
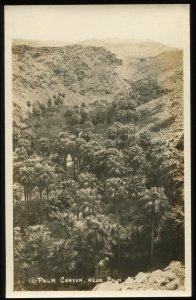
column 100, row 198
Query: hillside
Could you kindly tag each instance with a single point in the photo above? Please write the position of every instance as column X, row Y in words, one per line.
column 81, row 73
column 163, row 115
column 91, row 71
column 159, row 66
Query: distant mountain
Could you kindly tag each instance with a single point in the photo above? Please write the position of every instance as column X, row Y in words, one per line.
column 128, row 48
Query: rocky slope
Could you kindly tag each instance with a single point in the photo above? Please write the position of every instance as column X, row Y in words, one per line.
column 164, row 115
column 170, row 278
column 159, row 66
column 83, row 74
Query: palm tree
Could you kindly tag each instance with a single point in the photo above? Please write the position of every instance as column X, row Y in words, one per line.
column 135, row 159
column 156, row 203
column 44, row 146
column 121, row 133
column 44, row 176
column 92, row 154
column 116, row 191
column 24, row 173
column 106, row 162
column 37, row 245
column 75, row 145
column 97, row 233
column 65, row 220
column 113, row 162
column 88, row 202
column 61, row 146
column 87, row 180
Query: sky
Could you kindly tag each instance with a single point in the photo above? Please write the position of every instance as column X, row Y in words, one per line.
column 168, row 24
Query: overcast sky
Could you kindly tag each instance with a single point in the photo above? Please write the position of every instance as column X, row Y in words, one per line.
column 167, row 24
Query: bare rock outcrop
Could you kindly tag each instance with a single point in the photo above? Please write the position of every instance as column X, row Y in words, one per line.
column 170, row 278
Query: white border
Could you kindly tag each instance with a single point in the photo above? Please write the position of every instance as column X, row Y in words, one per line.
column 9, row 182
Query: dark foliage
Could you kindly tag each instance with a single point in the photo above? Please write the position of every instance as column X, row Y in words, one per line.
column 94, row 200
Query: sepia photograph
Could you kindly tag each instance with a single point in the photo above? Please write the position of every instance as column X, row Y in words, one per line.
column 97, row 109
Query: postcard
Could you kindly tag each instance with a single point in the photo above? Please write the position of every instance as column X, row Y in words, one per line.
column 97, row 111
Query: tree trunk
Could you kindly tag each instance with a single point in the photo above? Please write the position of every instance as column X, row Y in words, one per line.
column 65, row 162
column 118, row 235
column 116, row 139
column 25, row 195
column 40, row 206
column 152, row 245
column 27, row 202
column 117, row 216
column 78, row 165
column 26, row 208
column 96, row 267
column 74, row 168
column 30, row 196
column 47, row 193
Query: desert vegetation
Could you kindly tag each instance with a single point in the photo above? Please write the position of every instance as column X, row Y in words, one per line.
column 97, row 191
